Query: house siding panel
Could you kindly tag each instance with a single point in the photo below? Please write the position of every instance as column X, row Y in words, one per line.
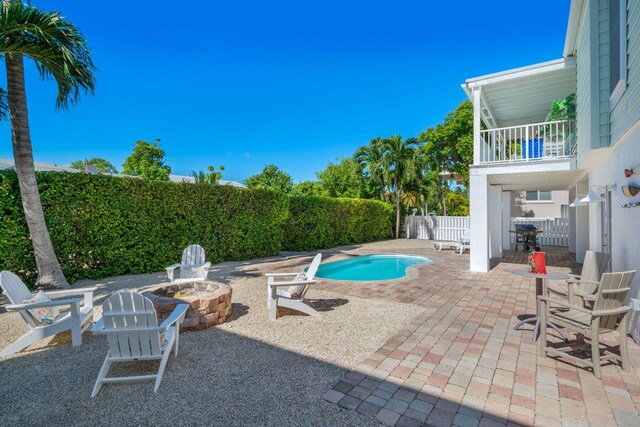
column 602, row 139
column 627, row 111
column 583, row 89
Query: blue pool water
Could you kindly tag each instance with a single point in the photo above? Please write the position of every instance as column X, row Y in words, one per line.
column 370, row 267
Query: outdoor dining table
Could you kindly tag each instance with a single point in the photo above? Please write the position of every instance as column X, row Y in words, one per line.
column 551, row 275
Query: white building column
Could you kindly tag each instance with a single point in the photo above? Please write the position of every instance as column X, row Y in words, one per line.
column 479, row 217
column 572, row 222
column 506, row 220
column 495, row 221
column 477, row 124
column 582, row 225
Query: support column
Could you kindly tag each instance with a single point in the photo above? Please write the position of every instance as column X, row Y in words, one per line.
column 495, row 221
column 582, row 225
column 479, row 206
column 477, row 124
column 506, row 220
column 572, row 222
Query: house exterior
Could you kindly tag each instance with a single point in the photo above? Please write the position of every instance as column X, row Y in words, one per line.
column 516, row 150
column 539, row 203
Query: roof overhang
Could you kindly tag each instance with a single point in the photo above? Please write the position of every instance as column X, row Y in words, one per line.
column 522, row 95
column 571, row 40
column 560, row 174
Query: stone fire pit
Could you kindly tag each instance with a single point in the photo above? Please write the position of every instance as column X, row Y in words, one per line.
column 209, row 303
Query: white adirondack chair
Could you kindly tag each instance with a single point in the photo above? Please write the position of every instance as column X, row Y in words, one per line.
column 78, row 319
column 192, row 268
column 129, row 321
column 293, row 300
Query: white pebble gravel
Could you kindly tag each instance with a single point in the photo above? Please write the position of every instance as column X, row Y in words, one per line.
column 248, row 372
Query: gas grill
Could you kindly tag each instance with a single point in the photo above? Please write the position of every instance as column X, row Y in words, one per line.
column 527, row 234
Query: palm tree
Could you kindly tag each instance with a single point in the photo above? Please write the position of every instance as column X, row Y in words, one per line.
column 370, row 157
column 401, row 161
column 211, row 177
column 60, row 52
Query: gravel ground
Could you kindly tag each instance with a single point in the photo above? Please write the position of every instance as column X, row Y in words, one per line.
column 249, row 371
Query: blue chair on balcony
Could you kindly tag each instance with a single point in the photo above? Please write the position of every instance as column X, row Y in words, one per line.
column 532, row 148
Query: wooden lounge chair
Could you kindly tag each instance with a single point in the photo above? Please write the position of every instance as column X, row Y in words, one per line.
column 129, row 321
column 608, row 305
column 293, row 296
column 585, row 285
column 78, row 319
column 458, row 246
column 192, row 267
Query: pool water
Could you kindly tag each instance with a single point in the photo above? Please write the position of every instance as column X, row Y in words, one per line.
column 370, row 267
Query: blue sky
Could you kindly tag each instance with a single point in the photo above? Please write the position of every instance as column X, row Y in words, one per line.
column 297, row 84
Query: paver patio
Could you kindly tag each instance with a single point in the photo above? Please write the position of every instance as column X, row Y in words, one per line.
column 461, row 363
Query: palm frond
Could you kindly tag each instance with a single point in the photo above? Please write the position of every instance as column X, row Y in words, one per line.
column 56, row 46
column 4, row 105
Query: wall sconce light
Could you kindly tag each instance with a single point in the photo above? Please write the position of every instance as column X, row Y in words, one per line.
column 577, row 202
column 593, row 197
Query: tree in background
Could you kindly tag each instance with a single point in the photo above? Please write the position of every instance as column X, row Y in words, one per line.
column 458, row 203
column 99, row 164
column 60, row 52
column 370, row 159
column 401, row 161
column 271, row 178
column 310, row 188
column 449, row 148
column 343, row 179
column 210, row 177
column 147, row 162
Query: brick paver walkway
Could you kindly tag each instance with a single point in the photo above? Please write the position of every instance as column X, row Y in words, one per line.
column 461, row 363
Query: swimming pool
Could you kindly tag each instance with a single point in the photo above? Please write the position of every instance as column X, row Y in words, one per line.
column 370, row 267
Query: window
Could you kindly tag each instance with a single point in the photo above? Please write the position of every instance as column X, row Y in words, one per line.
column 618, row 48
column 538, row 196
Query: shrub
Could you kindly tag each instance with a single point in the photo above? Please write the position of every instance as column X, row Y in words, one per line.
column 102, row 226
column 321, row 222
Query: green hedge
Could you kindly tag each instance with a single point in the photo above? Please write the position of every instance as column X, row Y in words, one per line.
column 103, row 226
column 319, row 222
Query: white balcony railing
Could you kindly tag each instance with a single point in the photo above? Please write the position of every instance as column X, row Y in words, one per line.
column 537, row 141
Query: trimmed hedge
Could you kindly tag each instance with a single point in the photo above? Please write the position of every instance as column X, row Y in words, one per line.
column 104, row 226
column 320, row 222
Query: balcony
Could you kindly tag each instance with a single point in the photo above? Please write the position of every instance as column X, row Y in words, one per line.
column 526, row 143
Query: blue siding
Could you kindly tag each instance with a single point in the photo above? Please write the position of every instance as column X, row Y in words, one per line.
column 583, row 88
column 602, row 139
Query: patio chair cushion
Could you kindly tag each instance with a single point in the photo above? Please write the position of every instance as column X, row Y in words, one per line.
column 295, row 290
column 44, row 315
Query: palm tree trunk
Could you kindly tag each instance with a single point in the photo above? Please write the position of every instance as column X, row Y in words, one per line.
column 49, row 272
column 395, row 182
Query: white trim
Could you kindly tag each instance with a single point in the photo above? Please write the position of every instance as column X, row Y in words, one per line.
column 618, row 91
column 575, row 14
column 516, row 73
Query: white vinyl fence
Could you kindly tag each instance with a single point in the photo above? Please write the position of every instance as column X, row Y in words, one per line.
column 436, row 227
column 555, row 230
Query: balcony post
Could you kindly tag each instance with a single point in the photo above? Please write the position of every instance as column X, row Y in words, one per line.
column 477, row 142
column 526, row 143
